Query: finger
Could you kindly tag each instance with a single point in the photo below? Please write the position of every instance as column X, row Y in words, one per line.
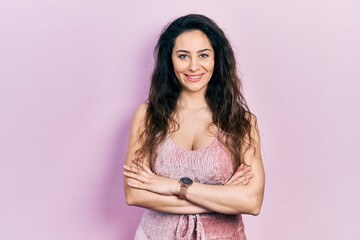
column 138, row 165
column 132, row 169
column 233, row 177
column 147, row 169
column 142, row 167
column 239, row 173
column 249, row 175
column 136, row 162
column 242, row 172
column 244, row 168
column 139, row 177
column 136, row 170
column 245, row 182
column 131, row 175
column 230, row 181
column 239, row 180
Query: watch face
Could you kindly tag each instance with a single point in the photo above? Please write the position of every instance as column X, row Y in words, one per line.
column 186, row 181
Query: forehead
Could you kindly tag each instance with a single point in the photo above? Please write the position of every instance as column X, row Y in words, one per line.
column 192, row 40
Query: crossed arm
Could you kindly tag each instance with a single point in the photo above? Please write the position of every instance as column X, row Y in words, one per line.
column 242, row 194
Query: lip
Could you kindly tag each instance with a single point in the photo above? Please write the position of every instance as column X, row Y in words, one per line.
column 194, row 77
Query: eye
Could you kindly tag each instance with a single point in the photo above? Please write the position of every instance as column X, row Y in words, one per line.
column 204, row 55
column 183, row 56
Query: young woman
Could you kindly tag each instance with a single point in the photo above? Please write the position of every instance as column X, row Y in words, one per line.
column 194, row 159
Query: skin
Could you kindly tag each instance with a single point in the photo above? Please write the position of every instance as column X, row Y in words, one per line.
column 193, row 61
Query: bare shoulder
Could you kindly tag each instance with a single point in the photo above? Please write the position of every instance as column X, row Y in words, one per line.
column 139, row 115
column 138, row 120
column 252, row 118
column 137, row 127
column 254, row 129
column 141, row 111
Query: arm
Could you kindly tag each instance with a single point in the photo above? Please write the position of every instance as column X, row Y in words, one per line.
column 153, row 190
column 239, row 195
column 235, row 199
column 148, row 199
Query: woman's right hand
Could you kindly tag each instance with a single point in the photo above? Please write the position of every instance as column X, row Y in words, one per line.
column 241, row 176
column 141, row 177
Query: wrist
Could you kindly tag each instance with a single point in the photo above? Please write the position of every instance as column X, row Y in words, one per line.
column 184, row 183
column 175, row 187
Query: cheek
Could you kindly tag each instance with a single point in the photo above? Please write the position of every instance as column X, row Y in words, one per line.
column 179, row 66
column 209, row 65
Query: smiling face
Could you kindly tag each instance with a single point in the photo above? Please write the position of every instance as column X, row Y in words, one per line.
column 193, row 60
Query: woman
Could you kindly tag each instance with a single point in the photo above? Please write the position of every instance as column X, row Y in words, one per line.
column 194, row 154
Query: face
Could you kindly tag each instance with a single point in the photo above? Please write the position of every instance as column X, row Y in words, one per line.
column 193, row 60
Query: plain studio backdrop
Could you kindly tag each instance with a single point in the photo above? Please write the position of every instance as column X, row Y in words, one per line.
column 73, row 72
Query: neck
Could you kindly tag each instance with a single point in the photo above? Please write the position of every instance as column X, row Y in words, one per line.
column 191, row 100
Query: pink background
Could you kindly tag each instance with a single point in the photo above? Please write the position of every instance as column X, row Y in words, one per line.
column 72, row 73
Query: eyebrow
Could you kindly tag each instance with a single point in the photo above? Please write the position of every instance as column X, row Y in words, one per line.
column 200, row 51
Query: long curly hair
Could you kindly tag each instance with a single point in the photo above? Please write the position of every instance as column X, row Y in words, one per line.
column 230, row 112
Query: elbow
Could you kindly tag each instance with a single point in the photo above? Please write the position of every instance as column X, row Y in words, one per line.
column 255, row 206
column 132, row 196
column 130, row 200
column 251, row 207
column 254, row 211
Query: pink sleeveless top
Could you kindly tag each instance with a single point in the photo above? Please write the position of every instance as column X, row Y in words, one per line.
column 210, row 165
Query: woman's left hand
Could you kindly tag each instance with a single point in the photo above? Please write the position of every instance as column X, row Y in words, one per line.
column 141, row 177
column 241, row 176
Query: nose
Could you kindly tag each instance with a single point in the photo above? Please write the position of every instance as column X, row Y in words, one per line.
column 194, row 65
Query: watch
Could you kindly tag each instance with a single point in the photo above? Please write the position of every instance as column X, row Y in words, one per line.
column 185, row 183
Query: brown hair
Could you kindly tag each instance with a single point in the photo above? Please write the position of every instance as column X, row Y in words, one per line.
column 223, row 95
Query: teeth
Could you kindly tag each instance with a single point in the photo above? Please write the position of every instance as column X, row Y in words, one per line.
column 194, row 77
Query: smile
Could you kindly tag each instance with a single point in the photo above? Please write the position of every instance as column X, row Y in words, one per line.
column 194, row 78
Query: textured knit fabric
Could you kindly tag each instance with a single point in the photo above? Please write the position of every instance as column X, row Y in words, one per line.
column 210, row 165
